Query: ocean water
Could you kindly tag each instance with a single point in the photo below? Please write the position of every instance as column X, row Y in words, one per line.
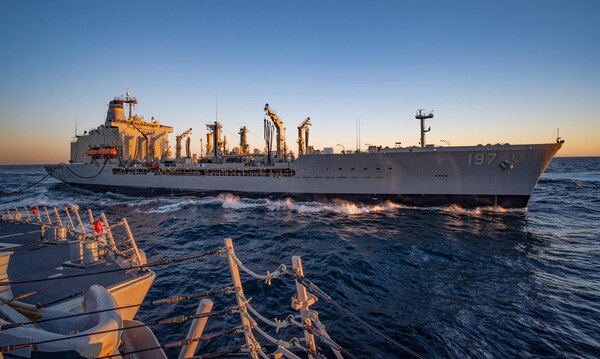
column 445, row 282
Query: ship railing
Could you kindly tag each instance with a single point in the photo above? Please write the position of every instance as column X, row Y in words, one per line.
column 307, row 319
column 307, row 294
column 126, row 247
column 97, row 235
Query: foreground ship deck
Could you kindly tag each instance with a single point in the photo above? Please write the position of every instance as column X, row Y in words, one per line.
column 67, row 291
column 32, row 259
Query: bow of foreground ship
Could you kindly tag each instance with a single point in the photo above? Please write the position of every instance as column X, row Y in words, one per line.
column 131, row 155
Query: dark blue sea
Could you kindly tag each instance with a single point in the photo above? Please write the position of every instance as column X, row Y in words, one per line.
column 446, row 282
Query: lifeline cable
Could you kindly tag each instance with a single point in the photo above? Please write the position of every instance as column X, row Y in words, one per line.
column 38, row 291
column 161, row 262
column 44, row 305
column 332, row 345
column 171, row 300
column 120, row 355
column 220, row 354
column 204, row 338
column 18, row 297
column 13, row 347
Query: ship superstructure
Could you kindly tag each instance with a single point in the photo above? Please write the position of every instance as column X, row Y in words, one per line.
column 123, row 137
column 132, row 155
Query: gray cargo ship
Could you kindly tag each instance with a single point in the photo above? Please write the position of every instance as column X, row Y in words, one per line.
column 129, row 154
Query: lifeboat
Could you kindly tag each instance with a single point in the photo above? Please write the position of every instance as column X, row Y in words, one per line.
column 101, row 152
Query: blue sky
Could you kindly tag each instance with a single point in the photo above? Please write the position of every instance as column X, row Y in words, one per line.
column 511, row 71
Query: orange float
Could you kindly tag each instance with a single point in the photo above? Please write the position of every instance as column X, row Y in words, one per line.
column 101, row 151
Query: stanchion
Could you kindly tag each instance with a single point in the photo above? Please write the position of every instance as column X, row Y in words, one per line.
column 241, row 299
column 305, row 300
column 71, row 225
column 196, row 329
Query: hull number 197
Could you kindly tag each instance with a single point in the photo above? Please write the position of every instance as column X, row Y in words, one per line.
column 479, row 159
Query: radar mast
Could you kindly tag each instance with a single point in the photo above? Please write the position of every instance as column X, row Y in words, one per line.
column 422, row 115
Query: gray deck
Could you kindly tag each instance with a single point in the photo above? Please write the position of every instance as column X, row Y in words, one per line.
column 35, row 259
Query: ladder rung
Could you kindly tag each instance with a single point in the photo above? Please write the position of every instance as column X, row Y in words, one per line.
column 126, row 251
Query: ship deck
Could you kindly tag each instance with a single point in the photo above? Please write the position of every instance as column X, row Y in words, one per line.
column 34, row 259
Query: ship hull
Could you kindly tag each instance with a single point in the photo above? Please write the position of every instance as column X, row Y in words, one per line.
column 503, row 175
column 416, row 200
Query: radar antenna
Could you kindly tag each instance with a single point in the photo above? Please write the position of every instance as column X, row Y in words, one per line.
column 132, row 101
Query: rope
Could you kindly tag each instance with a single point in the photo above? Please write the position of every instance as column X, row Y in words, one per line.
column 181, row 298
column 279, row 272
column 13, row 347
column 170, row 300
column 44, row 305
column 205, row 338
column 278, row 324
column 120, row 355
column 184, row 318
column 62, row 164
column 335, row 347
column 221, row 354
column 152, row 303
column 323, row 337
column 181, row 343
column 292, row 343
column 18, row 297
column 205, row 356
column 84, row 177
column 311, row 287
column 162, row 262
column 40, row 290
column 33, row 184
column 20, row 324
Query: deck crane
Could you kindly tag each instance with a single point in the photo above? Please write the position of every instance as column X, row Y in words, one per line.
column 281, row 146
column 303, row 131
column 213, row 139
column 146, row 139
column 178, row 139
column 209, row 143
column 188, row 143
column 244, row 147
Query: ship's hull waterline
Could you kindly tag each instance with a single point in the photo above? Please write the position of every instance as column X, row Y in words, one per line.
column 472, row 176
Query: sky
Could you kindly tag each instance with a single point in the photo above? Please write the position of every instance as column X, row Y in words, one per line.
column 492, row 71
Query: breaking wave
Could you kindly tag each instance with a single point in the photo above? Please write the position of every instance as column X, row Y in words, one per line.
column 335, row 206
